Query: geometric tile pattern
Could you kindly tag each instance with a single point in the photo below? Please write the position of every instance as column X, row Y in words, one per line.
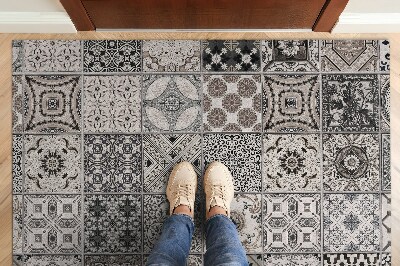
column 303, row 125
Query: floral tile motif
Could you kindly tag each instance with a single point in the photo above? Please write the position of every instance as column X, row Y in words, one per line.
column 232, row 103
column 291, row 222
column 52, row 163
column 351, row 162
column 349, row 259
column 255, row 259
column 194, row 260
column 52, row 223
column 384, row 55
column 349, row 55
column 17, row 175
column 52, row 56
column 113, row 223
column 351, row 222
column 17, row 103
column 241, row 153
column 291, row 162
column 17, row 223
column 385, row 157
column 231, row 55
column 162, row 152
column 47, row 260
column 171, row 55
column 112, row 56
column 112, row 163
column 386, row 222
column 17, row 55
column 290, row 55
column 112, row 104
column 113, row 260
column 385, row 103
column 291, row 103
column 386, row 259
column 53, row 104
column 360, row 113
column 171, row 103
column 246, row 215
column 292, row 259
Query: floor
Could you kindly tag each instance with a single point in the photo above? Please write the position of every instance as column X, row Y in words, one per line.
column 210, row 95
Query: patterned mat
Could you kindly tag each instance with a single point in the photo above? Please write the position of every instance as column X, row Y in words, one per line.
column 303, row 126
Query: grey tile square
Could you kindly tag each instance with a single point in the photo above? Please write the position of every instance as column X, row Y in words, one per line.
column 113, row 223
column 52, row 104
column 17, row 55
column 113, row 260
column 351, row 162
column 17, row 175
column 113, row 163
column 17, row 104
column 171, row 56
column 292, row 259
column 112, row 103
column 241, row 153
column 291, row 103
column 386, row 222
column 291, row 162
column 351, row 222
column 385, row 159
column 385, row 103
column 384, row 55
column 290, row 55
column 232, row 103
column 386, row 259
column 350, row 259
column 161, row 152
column 171, row 103
column 350, row 103
column 49, row 226
column 349, row 55
column 47, row 260
column 52, row 56
column 17, row 223
column 112, row 56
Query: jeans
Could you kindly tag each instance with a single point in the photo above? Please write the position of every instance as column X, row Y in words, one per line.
column 222, row 242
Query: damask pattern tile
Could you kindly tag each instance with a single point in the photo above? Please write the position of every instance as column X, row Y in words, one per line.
column 162, row 152
column 291, row 103
column 17, row 223
column 17, row 104
column 291, row 162
column 171, row 103
column 255, row 259
column 386, row 222
column 17, row 55
column 386, row 259
column 349, row 55
column 231, row 55
column 112, row 56
column 113, row 260
column 241, row 153
column 232, row 103
column 290, row 55
column 47, row 260
column 385, row 157
column 171, row 55
column 385, row 103
column 349, row 259
column 112, row 104
column 350, row 103
column 351, row 222
column 384, row 55
column 113, row 223
column 351, row 162
column 52, row 224
column 292, row 259
column 17, row 175
column 52, row 104
column 112, row 163
column 291, row 222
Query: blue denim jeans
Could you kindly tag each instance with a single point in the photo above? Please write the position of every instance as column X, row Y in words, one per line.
column 222, row 242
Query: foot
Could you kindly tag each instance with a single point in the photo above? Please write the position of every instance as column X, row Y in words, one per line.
column 181, row 188
column 219, row 189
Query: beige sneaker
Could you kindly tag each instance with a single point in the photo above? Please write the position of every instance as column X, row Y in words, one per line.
column 182, row 185
column 218, row 186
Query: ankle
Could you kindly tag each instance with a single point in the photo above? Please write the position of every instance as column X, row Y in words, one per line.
column 183, row 209
column 216, row 210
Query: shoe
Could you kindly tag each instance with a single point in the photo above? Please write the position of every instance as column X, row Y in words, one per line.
column 182, row 185
column 218, row 186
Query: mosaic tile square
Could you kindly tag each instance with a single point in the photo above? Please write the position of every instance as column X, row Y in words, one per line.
column 112, row 56
column 291, row 162
column 386, row 259
column 112, row 104
column 351, row 162
column 52, row 56
column 232, row 103
column 349, row 55
column 113, row 260
column 171, row 103
column 231, row 55
column 17, row 55
column 17, row 104
column 255, row 259
column 385, row 157
column 292, row 259
column 17, row 226
column 349, row 259
column 194, row 260
column 112, row 163
column 17, row 175
column 351, row 222
column 291, row 222
column 47, row 260
column 171, row 55
column 52, row 224
column 162, row 152
column 113, row 223
column 350, row 103
column 241, row 153
column 291, row 103
column 53, row 104
column 384, row 55
column 385, row 103
column 290, row 55
column 386, row 222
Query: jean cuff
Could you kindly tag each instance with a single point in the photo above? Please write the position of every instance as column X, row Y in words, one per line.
column 184, row 215
column 216, row 215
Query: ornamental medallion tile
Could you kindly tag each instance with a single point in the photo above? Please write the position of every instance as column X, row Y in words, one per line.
column 292, row 259
column 291, row 103
column 386, row 222
column 385, row 103
column 385, row 159
column 17, row 104
column 349, row 259
column 171, row 103
column 232, row 103
column 384, row 55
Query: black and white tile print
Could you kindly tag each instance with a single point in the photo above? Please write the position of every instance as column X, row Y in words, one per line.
column 120, row 114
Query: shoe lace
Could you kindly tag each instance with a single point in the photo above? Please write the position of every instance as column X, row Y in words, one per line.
column 183, row 190
column 218, row 191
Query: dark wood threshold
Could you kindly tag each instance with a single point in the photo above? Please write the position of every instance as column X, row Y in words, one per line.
column 329, row 15
column 78, row 15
